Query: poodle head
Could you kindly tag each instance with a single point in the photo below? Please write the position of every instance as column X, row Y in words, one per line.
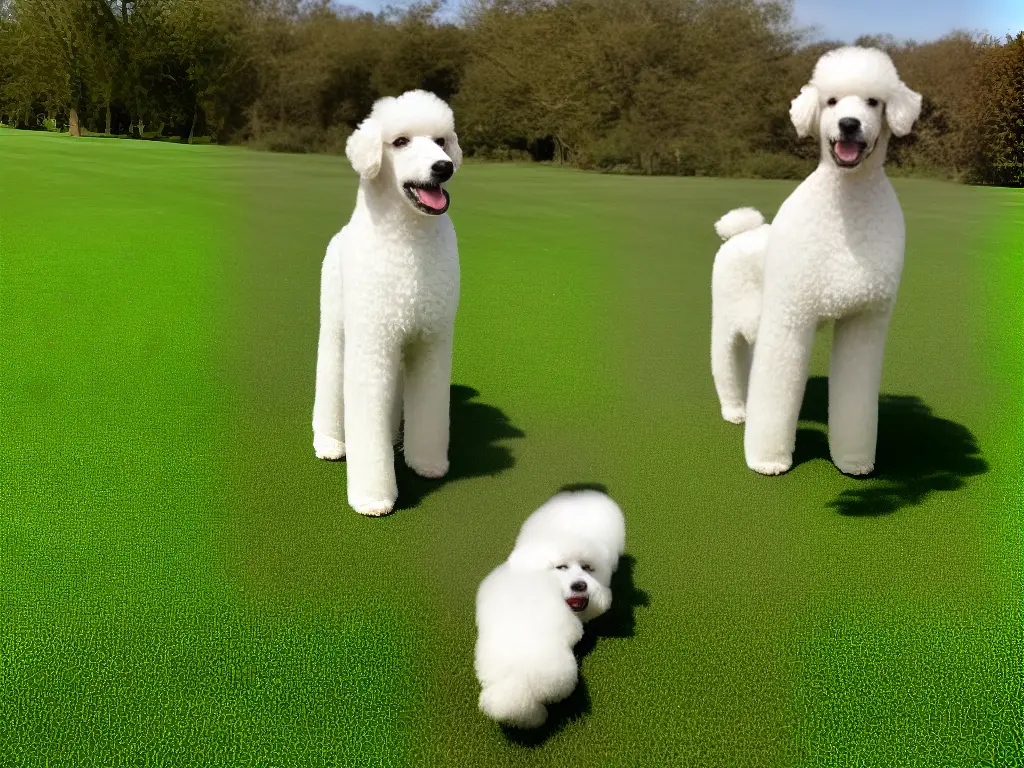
column 854, row 101
column 578, row 537
column 409, row 142
column 582, row 568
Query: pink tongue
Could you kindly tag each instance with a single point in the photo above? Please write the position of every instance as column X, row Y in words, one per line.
column 432, row 198
column 847, row 151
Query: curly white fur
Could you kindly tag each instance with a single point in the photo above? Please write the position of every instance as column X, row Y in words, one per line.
column 566, row 551
column 389, row 294
column 834, row 252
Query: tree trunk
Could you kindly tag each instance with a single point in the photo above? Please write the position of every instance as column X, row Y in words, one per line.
column 107, row 131
column 73, row 127
column 192, row 130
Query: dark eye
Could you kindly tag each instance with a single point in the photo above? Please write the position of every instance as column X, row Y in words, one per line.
column 439, row 142
column 561, row 567
column 587, row 568
column 872, row 102
column 400, row 142
column 831, row 102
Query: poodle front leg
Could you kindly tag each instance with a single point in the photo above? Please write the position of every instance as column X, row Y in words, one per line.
column 855, row 375
column 778, row 378
column 428, row 377
column 329, row 402
column 730, row 369
column 371, row 378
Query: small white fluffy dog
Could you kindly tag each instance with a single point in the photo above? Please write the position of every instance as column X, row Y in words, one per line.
column 834, row 252
column 530, row 609
column 389, row 293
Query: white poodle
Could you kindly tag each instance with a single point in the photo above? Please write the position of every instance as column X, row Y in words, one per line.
column 530, row 609
column 389, row 292
column 833, row 252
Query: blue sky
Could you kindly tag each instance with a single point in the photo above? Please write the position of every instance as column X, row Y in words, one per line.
column 920, row 20
column 845, row 20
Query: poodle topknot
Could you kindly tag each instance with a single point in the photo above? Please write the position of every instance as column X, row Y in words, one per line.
column 530, row 609
column 833, row 253
column 388, row 297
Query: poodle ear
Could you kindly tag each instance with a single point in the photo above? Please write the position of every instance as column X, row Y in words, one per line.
column 902, row 110
column 452, row 149
column 365, row 148
column 803, row 111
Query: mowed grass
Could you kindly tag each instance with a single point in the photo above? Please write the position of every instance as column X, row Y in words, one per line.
column 182, row 583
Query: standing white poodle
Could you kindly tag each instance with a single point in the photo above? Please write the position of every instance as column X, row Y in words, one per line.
column 530, row 609
column 833, row 252
column 389, row 293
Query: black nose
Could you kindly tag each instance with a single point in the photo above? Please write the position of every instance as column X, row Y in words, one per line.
column 443, row 169
column 849, row 124
column 578, row 586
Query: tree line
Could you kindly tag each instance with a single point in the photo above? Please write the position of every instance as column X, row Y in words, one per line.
column 689, row 87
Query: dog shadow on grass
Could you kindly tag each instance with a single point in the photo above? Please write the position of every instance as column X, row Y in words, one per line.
column 918, row 453
column 618, row 622
column 475, row 448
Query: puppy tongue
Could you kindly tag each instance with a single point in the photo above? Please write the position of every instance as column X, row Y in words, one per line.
column 431, row 197
column 847, row 151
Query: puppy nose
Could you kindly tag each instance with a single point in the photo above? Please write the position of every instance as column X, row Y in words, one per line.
column 578, row 586
column 443, row 169
column 849, row 125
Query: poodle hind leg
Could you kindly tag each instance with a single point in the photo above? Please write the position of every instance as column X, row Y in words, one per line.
column 428, row 375
column 778, row 378
column 730, row 369
column 329, row 401
column 855, row 375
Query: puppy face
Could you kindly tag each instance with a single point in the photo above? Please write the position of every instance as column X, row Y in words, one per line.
column 584, row 573
column 584, row 587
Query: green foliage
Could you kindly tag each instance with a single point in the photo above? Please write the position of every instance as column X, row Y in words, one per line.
column 679, row 87
column 997, row 151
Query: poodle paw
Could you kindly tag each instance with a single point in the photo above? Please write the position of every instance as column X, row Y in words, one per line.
column 328, row 448
column 734, row 414
column 855, row 467
column 770, row 467
column 429, row 470
column 514, row 713
column 377, row 508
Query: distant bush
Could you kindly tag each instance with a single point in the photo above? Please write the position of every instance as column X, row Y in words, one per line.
column 774, row 165
column 995, row 149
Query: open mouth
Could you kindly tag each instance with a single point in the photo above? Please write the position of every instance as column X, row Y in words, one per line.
column 432, row 199
column 578, row 602
column 848, row 154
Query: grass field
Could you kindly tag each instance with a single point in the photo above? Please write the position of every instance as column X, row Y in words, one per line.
column 182, row 583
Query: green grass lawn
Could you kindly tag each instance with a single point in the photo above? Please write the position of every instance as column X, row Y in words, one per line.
column 182, row 582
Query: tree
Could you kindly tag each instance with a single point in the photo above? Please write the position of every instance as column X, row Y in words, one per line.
column 208, row 41
column 995, row 150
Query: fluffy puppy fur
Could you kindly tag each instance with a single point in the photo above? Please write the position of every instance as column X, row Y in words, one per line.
column 833, row 253
column 388, row 297
column 530, row 609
